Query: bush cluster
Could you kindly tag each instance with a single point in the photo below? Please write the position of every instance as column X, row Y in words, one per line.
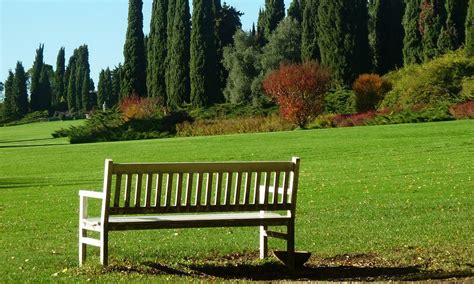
column 446, row 79
column 232, row 126
column 370, row 89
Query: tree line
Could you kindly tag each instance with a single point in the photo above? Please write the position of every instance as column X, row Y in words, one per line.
column 206, row 58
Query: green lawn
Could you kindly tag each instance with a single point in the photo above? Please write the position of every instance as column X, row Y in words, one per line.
column 398, row 199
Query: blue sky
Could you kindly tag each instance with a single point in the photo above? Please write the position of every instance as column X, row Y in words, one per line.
column 101, row 24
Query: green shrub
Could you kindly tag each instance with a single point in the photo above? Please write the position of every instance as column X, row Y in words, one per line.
column 233, row 125
column 439, row 81
column 467, row 92
column 113, row 126
column 340, row 101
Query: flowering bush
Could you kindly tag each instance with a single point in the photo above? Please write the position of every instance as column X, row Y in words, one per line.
column 136, row 107
column 370, row 89
column 299, row 90
column 462, row 111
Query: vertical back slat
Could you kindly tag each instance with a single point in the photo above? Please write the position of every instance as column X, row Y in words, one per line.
column 228, row 186
column 238, row 184
column 128, row 185
column 138, row 190
column 149, row 180
column 285, row 187
column 267, row 186
column 210, row 176
column 218, row 188
column 179, row 190
column 158, row 190
column 276, row 185
column 189, row 189
column 256, row 188
column 198, row 189
column 169, row 187
column 118, row 185
column 248, row 182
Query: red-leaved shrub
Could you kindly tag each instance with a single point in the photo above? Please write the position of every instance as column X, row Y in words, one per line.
column 370, row 89
column 462, row 111
column 139, row 108
column 299, row 90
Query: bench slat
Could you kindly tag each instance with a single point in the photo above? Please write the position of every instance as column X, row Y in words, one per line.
column 210, row 177
column 227, row 191
column 138, row 190
column 248, row 182
column 128, row 185
column 149, row 181
column 158, row 190
column 179, row 190
column 218, row 189
column 197, row 201
column 169, row 187
column 189, row 188
column 118, row 185
column 276, row 184
column 256, row 188
column 238, row 184
column 195, row 209
column 285, row 187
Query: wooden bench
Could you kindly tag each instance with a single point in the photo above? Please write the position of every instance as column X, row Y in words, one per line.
column 143, row 196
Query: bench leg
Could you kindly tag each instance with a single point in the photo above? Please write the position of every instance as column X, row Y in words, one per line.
column 263, row 242
column 82, row 246
column 104, row 248
column 290, row 246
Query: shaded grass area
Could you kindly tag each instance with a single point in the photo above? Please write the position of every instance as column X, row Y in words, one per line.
column 402, row 196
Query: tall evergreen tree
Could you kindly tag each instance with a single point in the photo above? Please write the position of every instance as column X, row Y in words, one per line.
column 203, row 64
column 20, row 90
column 59, row 89
column 260, row 33
column 134, row 67
column 70, row 76
column 178, row 85
column 296, row 10
column 344, row 47
column 452, row 33
column 388, row 35
column 45, row 89
column 309, row 35
column 116, row 74
column 470, row 29
column 274, row 13
column 157, row 50
column 35, row 87
column 432, row 16
column 412, row 44
column 105, row 89
column 9, row 111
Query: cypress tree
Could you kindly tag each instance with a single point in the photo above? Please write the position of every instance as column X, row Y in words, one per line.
column 134, row 67
column 116, row 79
column 260, row 34
column 274, row 13
column 470, row 29
column 309, row 36
column 203, row 62
column 178, row 87
column 20, row 90
column 71, row 82
column 9, row 100
column 101, row 89
column 388, row 35
column 45, row 89
column 412, row 45
column 296, row 10
column 59, row 92
column 344, row 47
column 35, row 88
column 431, row 18
column 157, row 50
column 452, row 33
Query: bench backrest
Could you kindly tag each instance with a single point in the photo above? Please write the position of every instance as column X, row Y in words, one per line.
column 143, row 188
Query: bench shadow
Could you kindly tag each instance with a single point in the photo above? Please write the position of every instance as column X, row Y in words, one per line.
column 275, row 271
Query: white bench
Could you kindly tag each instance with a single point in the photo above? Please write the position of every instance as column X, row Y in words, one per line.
column 143, row 196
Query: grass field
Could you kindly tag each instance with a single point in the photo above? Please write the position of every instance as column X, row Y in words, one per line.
column 385, row 202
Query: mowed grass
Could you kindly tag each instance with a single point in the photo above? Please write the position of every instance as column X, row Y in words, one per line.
column 401, row 194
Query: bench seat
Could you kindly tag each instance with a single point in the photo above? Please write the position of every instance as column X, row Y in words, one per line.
column 117, row 223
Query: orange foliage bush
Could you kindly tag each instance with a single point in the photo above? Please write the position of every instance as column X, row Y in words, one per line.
column 370, row 89
column 139, row 108
column 299, row 90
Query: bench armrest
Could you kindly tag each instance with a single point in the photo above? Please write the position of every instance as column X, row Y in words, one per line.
column 91, row 194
